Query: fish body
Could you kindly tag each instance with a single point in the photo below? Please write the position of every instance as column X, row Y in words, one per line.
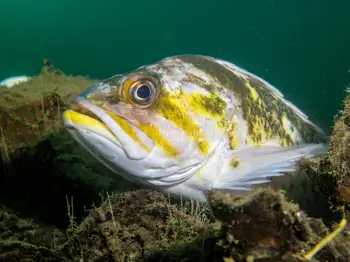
column 14, row 80
column 191, row 123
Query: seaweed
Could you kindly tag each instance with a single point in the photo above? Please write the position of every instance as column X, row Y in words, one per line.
column 40, row 164
column 331, row 173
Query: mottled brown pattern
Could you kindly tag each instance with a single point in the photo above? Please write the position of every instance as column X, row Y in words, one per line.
column 269, row 112
column 191, row 78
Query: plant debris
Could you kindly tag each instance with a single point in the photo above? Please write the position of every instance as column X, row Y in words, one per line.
column 58, row 208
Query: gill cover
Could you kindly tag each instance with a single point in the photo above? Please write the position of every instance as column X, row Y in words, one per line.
column 156, row 136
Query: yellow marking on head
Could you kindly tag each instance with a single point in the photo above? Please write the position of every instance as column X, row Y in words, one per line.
column 153, row 132
column 84, row 120
column 173, row 107
column 124, row 124
column 209, row 105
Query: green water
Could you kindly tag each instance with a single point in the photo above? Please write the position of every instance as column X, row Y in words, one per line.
column 301, row 47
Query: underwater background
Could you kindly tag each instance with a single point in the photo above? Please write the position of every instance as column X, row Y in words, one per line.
column 301, row 47
column 59, row 204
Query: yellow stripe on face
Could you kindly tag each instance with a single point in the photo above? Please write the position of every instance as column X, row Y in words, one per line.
column 84, row 120
column 171, row 107
column 153, row 132
column 127, row 129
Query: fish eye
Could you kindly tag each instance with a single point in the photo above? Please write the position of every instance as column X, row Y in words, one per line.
column 142, row 92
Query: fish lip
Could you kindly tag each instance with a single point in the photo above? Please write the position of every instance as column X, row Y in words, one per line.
column 84, row 105
column 115, row 129
column 83, row 109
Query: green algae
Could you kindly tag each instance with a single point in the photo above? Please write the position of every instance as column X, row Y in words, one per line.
column 143, row 226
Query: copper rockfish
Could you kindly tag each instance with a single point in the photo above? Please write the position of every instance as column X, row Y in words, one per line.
column 189, row 124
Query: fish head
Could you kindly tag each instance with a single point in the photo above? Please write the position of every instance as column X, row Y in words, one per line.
column 156, row 121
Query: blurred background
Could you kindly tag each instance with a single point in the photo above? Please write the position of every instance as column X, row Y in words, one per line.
column 301, row 47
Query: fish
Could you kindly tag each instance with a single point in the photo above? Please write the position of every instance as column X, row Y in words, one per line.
column 190, row 124
column 14, row 80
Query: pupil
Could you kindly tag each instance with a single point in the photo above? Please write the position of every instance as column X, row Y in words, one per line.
column 143, row 92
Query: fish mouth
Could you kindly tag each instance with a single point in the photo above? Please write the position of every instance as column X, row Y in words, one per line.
column 78, row 115
column 94, row 119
